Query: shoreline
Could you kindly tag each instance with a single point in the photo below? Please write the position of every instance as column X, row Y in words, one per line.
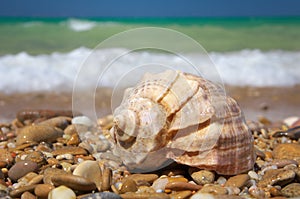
column 274, row 103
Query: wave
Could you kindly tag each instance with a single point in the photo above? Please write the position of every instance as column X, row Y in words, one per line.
column 80, row 25
column 57, row 71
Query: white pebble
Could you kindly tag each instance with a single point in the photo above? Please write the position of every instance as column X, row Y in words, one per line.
column 253, row 175
column 160, row 183
column 11, row 145
column 233, row 190
column 268, row 168
column 82, row 120
column 221, row 180
column 290, row 120
column 203, row 195
column 66, row 156
column 62, row 192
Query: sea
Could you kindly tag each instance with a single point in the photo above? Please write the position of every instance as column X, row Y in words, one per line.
column 51, row 54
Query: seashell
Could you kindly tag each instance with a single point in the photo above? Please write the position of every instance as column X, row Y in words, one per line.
column 182, row 117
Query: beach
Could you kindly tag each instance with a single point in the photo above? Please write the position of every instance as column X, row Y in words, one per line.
column 58, row 91
column 270, row 102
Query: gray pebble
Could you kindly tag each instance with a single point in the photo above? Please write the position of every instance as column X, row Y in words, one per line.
column 102, row 195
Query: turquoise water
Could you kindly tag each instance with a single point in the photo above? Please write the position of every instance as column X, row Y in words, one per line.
column 47, row 35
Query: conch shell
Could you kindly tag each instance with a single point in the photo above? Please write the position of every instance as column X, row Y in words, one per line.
column 182, row 117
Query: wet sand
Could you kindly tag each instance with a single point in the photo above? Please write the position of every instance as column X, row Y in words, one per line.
column 271, row 102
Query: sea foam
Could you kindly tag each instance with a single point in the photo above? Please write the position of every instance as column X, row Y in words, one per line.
column 58, row 71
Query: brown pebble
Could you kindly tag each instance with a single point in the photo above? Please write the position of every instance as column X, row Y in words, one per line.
column 106, row 179
column 213, row 189
column 280, row 163
column 60, row 122
column 16, row 193
column 291, row 190
column 38, row 133
column 259, row 153
column 42, row 190
column 237, row 181
column 70, row 130
column 181, row 194
column 27, row 195
column 74, row 182
column 36, row 180
column 50, row 172
column 275, row 192
column 143, row 177
column 277, row 177
column 128, row 185
column 287, row 151
column 74, row 139
column 37, row 157
column 179, row 186
column 5, row 157
column 3, row 164
column 70, row 150
column 131, row 195
column 46, row 114
column 268, row 155
column 203, row 177
column 20, row 169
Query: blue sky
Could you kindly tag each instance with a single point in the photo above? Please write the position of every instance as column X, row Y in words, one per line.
column 149, row 8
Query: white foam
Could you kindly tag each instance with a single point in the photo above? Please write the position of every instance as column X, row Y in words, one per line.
column 57, row 71
column 80, row 25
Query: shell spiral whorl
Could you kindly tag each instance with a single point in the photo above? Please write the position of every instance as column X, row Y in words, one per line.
column 181, row 117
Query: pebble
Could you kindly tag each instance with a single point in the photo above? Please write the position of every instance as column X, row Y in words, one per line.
column 46, row 114
column 21, row 168
column 60, row 122
column 280, row 163
column 38, row 133
column 287, row 151
column 16, row 193
column 180, row 186
column 290, row 120
column 69, row 150
column 128, row 185
column 253, row 175
column 213, row 189
column 160, row 183
column 37, row 157
column 181, row 194
column 50, row 172
column 90, row 170
column 292, row 133
column 221, row 180
column 42, row 190
column 131, row 195
column 27, row 195
column 291, row 190
column 62, row 192
column 74, row 139
column 73, row 182
column 203, row 177
column 106, row 179
column 70, row 130
column 82, row 120
column 138, row 178
column 296, row 123
column 277, row 177
column 238, row 181
column 100, row 195
column 6, row 157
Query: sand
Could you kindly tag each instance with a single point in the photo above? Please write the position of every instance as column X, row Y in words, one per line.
column 275, row 103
